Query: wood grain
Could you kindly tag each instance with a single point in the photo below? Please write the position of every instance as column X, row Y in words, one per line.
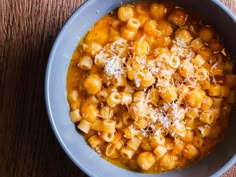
column 28, row 147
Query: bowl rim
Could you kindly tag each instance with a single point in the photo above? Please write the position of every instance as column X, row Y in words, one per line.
column 58, row 38
column 225, row 9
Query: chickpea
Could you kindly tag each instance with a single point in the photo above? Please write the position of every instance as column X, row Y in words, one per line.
column 93, row 84
column 146, row 160
column 206, row 34
column 125, row 13
column 92, row 48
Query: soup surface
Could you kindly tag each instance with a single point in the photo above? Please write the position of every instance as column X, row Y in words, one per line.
column 151, row 87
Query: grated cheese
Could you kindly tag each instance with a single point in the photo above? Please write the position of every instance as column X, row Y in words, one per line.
column 167, row 77
column 114, row 67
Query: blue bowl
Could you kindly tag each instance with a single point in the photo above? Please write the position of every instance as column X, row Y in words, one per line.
column 73, row 143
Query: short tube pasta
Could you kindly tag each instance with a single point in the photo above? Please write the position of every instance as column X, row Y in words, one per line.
column 126, row 119
column 196, row 45
column 109, row 126
column 119, row 124
column 75, row 115
column 117, row 137
column 120, row 81
column 157, row 140
column 174, row 62
column 134, row 143
column 128, row 34
column 114, row 99
column 106, row 112
column 94, row 141
column 141, row 47
column 202, row 74
column 208, row 117
column 169, row 95
column 133, row 24
column 110, row 149
column 128, row 132
column 206, row 103
column 97, row 125
column 103, row 94
column 204, row 131
column 73, row 99
column 108, row 137
column 198, row 142
column 159, row 151
column 84, row 126
column 214, row 90
column 126, row 98
column 127, row 152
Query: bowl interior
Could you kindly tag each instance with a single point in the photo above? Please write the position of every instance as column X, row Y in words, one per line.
column 55, row 89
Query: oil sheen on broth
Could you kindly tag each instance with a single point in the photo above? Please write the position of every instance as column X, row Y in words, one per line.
column 151, row 87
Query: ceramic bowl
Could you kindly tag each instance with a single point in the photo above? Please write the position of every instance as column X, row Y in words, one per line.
column 73, row 143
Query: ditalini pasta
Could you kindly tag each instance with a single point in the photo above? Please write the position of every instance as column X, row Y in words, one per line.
column 151, row 87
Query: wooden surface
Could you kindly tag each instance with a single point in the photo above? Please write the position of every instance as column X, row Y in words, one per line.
column 28, row 147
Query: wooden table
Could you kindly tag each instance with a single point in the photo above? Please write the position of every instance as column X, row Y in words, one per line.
column 28, row 147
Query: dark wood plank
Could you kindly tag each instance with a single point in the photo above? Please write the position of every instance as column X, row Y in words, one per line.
column 231, row 4
column 28, row 147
